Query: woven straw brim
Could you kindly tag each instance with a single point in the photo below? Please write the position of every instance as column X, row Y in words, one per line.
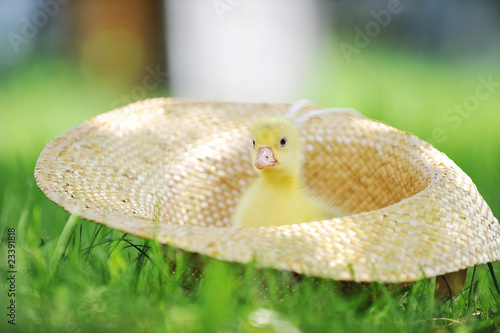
column 174, row 169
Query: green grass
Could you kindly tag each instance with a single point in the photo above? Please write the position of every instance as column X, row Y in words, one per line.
column 77, row 276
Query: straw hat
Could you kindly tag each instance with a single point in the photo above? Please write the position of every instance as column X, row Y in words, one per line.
column 173, row 169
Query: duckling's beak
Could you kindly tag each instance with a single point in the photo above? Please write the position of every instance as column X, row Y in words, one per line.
column 265, row 158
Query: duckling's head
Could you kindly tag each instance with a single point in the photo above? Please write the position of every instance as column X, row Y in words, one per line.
column 277, row 148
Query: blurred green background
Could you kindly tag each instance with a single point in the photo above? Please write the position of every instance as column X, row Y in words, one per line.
column 420, row 73
column 433, row 70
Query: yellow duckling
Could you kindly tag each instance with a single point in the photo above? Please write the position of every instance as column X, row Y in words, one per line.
column 278, row 196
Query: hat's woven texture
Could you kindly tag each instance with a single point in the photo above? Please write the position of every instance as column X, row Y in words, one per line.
column 174, row 169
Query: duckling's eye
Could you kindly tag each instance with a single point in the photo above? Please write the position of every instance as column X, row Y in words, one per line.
column 283, row 142
column 253, row 143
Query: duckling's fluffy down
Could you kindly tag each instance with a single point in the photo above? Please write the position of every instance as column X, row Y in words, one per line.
column 279, row 196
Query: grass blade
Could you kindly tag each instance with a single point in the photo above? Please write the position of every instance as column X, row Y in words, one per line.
column 63, row 240
column 490, row 266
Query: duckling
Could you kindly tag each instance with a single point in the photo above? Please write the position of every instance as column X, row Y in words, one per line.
column 279, row 196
